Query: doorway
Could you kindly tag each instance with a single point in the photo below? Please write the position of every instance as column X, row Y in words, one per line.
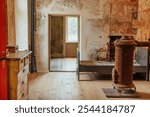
column 64, row 33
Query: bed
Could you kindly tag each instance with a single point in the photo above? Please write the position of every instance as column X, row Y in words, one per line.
column 104, row 67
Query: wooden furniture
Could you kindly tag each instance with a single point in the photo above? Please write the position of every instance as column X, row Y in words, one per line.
column 11, row 49
column 18, row 70
column 104, row 67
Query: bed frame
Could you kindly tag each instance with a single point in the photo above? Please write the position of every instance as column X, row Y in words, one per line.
column 103, row 67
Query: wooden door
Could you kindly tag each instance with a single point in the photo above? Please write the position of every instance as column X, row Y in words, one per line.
column 3, row 64
column 57, row 40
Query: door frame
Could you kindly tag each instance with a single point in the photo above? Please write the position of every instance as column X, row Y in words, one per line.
column 64, row 33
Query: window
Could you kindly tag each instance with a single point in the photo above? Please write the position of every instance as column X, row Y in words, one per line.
column 72, row 29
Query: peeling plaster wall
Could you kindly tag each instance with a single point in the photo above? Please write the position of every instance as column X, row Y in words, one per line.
column 94, row 26
column 122, row 14
column 144, row 20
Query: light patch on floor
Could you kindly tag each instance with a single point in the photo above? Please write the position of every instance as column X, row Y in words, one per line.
column 63, row 64
column 65, row 86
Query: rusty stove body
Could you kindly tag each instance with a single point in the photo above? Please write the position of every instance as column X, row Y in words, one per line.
column 122, row 73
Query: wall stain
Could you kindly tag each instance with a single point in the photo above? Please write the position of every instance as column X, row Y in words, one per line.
column 74, row 4
column 144, row 20
column 43, row 3
column 122, row 13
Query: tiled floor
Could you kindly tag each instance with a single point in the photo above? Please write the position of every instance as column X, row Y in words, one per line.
column 63, row 64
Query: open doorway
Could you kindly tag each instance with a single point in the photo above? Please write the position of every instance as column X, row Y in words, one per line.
column 64, row 33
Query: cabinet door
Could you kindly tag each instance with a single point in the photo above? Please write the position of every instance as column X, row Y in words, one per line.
column 3, row 63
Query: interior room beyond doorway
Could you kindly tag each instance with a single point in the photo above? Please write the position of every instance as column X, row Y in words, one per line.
column 64, row 37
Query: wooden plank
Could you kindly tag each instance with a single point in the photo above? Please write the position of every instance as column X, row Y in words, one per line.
column 71, row 50
column 11, row 30
column 18, row 55
column 62, row 86
column 13, row 80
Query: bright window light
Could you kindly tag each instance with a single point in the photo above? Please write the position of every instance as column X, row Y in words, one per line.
column 72, row 29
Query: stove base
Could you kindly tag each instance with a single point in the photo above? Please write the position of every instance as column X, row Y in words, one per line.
column 113, row 93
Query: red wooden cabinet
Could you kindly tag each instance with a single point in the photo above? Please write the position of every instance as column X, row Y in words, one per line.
column 3, row 63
